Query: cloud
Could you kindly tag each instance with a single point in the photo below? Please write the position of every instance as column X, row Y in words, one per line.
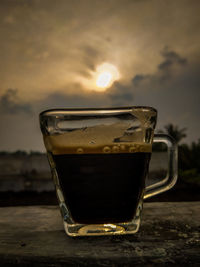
column 76, row 97
column 50, row 45
column 121, row 95
column 165, row 70
column 170, row 58
column 10, row 103
column 138, row 78
column 75, row 100
column 89, row 58
column 173, row 89
column 9, row 19
column 144, row 89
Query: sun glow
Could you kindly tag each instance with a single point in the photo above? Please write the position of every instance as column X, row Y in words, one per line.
column 106, row 74
column 102, row 78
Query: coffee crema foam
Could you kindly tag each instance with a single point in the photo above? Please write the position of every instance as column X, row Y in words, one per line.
column 59, row 146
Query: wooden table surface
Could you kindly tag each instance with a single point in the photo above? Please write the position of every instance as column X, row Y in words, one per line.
column 34, row 236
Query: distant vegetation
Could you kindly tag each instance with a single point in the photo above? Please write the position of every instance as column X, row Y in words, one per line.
column 175, row 132
column 21, row 153
column 188, row 155
column 189, row 162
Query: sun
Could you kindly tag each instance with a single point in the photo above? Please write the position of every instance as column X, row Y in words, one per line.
column 106, row 74
column 101, row 79
column 104, row 79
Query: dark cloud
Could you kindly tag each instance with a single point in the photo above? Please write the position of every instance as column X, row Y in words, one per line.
column 138, row 78
column 11, row 104
column 177, row 102
column 76, row 100
column 121, row 95
column 165, row 70
column 90, row 51
column 173, row 89
column 90, row 57
column 117, row 95
column 170, row 58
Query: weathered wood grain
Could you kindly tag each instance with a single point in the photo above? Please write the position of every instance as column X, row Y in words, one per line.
column 34, row 236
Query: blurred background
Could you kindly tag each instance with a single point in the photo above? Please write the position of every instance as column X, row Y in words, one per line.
column 87, row 53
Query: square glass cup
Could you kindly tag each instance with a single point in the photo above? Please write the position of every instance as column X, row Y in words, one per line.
column 99, row 160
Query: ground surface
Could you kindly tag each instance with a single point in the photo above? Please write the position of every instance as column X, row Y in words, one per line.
column 34, row 236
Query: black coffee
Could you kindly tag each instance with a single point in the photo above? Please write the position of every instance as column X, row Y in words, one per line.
column 102, row 188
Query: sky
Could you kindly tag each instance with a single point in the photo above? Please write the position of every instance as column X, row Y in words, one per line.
column 51, row 52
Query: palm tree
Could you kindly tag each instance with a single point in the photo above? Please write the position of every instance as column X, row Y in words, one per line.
column 175, row 132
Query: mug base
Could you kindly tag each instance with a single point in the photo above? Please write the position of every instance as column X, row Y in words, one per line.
column 102, row 229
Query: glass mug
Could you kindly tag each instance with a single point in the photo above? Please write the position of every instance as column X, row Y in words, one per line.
column 99, row 160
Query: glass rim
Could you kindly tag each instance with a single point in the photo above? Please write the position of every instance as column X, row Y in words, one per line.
column 101, row 110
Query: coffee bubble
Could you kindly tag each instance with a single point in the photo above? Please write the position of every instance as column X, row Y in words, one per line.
column 132, row 149
column 115, row 149
column 122, row 147
column 79, row 150
column 106, row 149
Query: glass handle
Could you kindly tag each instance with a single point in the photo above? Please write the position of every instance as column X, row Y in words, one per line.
column 172, row 174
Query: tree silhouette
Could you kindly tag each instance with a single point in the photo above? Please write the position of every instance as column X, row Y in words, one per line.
column 175, row 132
